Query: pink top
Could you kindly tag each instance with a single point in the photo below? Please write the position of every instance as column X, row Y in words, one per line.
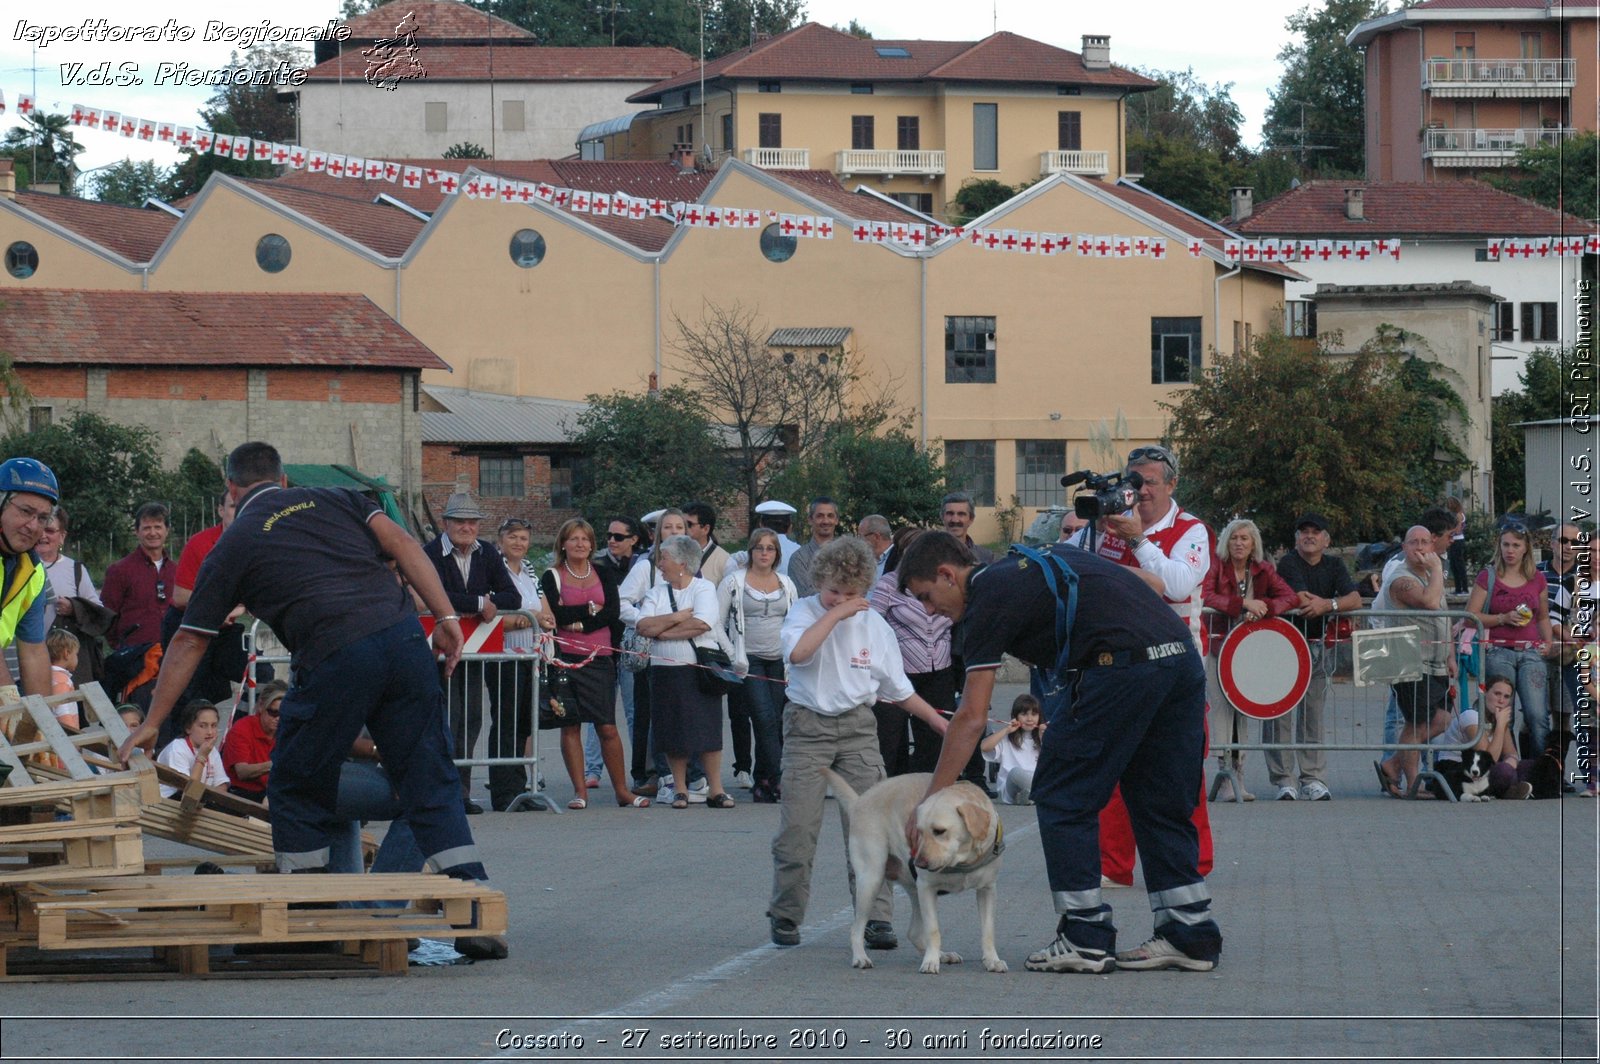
column 594, row 597
column 1505, row 599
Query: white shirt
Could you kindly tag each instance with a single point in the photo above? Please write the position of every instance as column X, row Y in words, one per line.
column 640, row 579
column 180, row 755
column 1010, row 758
column 59, row 573
column 699, row 596
column 857, row 665
column 528, row 587
column 1455, row 734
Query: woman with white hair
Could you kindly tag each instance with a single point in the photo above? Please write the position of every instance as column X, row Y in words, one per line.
column 1242, row 587
column 686, row 720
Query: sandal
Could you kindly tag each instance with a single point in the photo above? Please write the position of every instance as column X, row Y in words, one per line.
column 680, row 801
column 1385, row 784
column 638, row 801
column 720, row 801
column 578, row 803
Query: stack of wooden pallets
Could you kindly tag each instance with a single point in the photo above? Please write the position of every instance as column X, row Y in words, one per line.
column 75, row 901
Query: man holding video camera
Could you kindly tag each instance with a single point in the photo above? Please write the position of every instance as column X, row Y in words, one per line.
column 1171, row 550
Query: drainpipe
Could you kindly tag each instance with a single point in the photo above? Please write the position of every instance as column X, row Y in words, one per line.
column 655, row 275
column 922, row 341
column 1216, row 307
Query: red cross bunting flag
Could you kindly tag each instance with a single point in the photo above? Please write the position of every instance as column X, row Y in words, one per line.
column 2, row 103
column 1028, row 243
column 373, row 169
column 524, row 192
column 824, row 228
column 1197, row 247
column 24, row 104
column 804, row 225
column 478, row 637
column 1158, row 247
column 316, row 161
column 599, row 203
column 261, row 151
column 861, row 234
column 712, row 219
column 507, row 190
column 335, row 165
column 448, row 184
column 241, row 148
column 732, row 218
column 752, row 219
column 129, row 126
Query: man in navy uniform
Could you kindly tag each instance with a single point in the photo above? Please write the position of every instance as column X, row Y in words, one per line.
column 1125, row 701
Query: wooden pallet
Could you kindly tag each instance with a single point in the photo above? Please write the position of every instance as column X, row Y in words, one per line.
column 29, row 965
column 191, row 914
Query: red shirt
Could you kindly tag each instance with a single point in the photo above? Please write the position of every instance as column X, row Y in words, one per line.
column 194, row 552
column 247, row 744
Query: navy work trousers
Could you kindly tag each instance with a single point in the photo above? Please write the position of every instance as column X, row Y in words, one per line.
column 1142, row 725
column 387, row 682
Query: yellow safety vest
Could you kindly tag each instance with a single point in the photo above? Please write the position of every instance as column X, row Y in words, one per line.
column 25, row 585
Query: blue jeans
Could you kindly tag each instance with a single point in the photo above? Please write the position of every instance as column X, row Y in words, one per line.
column 1141, row 725
column 592, row 763
column 1527, row 669
column 763, row 696
column 387, row 682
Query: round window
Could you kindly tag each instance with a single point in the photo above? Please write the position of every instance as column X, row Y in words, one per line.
column 22, row 259
column 775, row 246
column 272, row 253
column 527, row 248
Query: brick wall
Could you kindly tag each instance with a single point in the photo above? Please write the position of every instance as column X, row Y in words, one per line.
column 360, row 418
column 446, row 469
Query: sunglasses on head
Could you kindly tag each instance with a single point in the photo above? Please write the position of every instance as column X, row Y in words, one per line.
column 1151, row 454
column 514, row 524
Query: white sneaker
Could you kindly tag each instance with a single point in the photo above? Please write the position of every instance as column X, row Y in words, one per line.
column 665, row 793
column 1315, row 791
column 699, row 792
column 1158, row 953
column 1062, row 956
column 743, row 779
column 1287, row 793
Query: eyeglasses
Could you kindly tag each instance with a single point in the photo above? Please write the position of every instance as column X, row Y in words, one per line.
column 271, row 712
column 30, row 513
column 618, row 537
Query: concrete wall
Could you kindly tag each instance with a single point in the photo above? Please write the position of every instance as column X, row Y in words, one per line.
column 63, row 263
column 362, row 418
column 1560, row 469
column 353, row 118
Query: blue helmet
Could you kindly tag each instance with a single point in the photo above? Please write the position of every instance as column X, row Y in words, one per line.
column 29, row 475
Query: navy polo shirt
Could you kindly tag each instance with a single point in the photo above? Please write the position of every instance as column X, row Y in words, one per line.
column 305, row 562
column 1011, row 610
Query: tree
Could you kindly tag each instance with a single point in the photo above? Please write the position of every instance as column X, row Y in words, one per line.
column 869, row 472
column 1368, row 447
column 43, row 149
column 130, row 183
column 1316, row 108
column 978, row 196
column 105, row 470
column 1545, row 394
column 465, row 150
column 647, row 451
column 729, row 24
column 1564, row 176
column 249, row 110
column 777, row 405
column 856, row 29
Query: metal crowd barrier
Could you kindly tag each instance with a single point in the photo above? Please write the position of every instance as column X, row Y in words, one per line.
column 494, row 689
column 1353, row 712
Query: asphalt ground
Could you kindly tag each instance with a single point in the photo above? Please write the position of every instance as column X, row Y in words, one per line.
column 1358, row 929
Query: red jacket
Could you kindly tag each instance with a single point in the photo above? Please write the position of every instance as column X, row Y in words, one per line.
column 1221, row 593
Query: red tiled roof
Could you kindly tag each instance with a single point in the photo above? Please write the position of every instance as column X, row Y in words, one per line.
column 823, row 185
column 385, row 229
column 473, row 63
column 436, row 20
column 814, row 52
column 83, row 327
column 1439, row 209
column 132, row 232
column 1440, row 5
column 1213, row 234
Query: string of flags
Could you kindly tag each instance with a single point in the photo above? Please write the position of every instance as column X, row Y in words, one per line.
column 694, row 215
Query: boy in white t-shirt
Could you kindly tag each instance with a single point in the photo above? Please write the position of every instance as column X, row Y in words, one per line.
column 843, row 657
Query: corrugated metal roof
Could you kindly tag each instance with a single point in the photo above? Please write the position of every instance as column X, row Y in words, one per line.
column 823, row 336
column 483, row 417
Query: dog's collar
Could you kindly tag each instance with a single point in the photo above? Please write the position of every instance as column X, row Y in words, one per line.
column 987, row 859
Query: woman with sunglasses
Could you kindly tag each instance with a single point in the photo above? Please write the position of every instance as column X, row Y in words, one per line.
column 247, row 749
column 1511, row 601
column 511, row 685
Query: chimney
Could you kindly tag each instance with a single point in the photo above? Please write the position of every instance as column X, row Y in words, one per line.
column 1096, row 51
column 1239, row 199
column 8, row 180
column 683, row 157
column 1354, row 209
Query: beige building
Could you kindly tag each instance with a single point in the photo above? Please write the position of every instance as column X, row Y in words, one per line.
column 1015, row 361
column 472, row 78
column 1457, row 87
column 1445, row 325
column 911, row 119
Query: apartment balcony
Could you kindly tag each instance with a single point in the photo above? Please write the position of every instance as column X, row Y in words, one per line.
column 890, row 163
column 1485, row 147
column 1089, row 163
column 1498, row 77
column 779, row 158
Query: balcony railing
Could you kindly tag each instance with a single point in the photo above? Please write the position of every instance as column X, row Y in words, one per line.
column 779, row 158
column 1501, row 77
column 1485, row 147
column 914, row 163
column 1073, row 162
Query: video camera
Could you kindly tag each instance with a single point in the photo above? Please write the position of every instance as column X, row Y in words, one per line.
column 1108, row 493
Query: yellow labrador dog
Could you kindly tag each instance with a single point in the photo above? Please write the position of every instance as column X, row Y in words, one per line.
column 958, row 848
